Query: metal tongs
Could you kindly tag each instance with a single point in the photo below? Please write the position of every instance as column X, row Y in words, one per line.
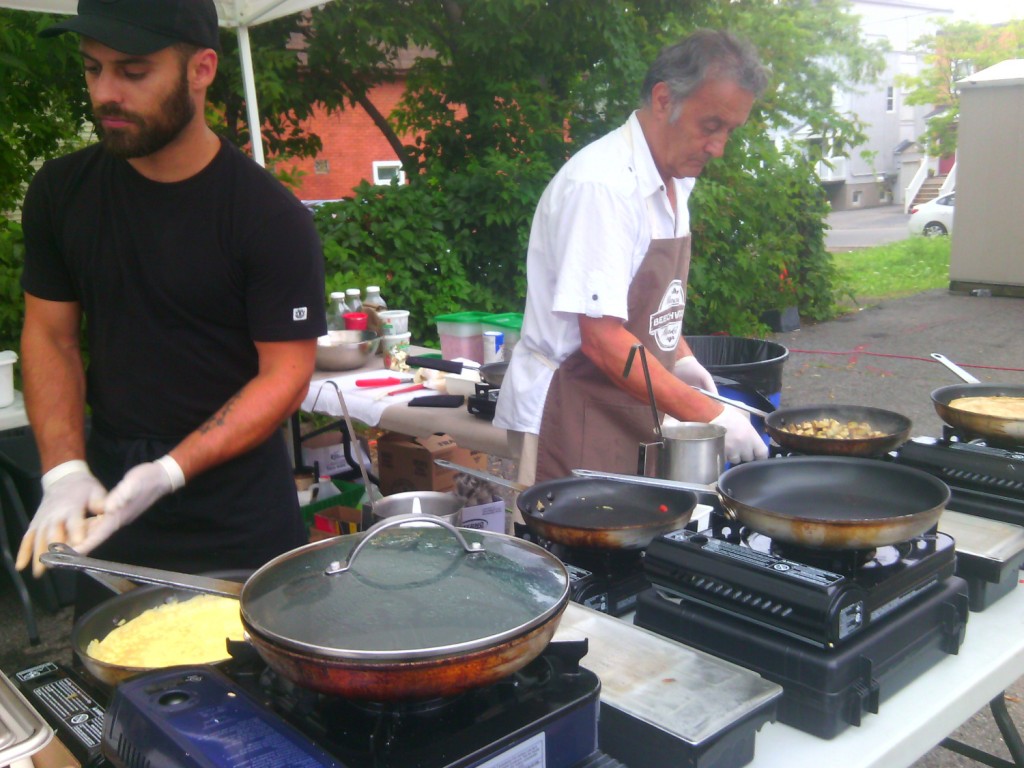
column 659, row 442
column 647, row 379
column 358, row 448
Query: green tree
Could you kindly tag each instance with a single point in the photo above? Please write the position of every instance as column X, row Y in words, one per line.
column 494, row 115
column 42, row 106
column 956, row 50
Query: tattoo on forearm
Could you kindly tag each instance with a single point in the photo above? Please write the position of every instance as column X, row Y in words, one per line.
column 218, row 419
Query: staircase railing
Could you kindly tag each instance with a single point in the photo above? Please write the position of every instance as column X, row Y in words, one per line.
column 915, row 185
column 949, row 185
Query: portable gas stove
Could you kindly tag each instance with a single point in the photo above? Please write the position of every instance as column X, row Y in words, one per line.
column 839, row 631
column 483, row 402
column 243, row 714
column 984, row 480
column 824, row 597
column 608, row 581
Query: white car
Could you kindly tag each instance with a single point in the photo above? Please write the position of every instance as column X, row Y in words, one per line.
column 933, row 218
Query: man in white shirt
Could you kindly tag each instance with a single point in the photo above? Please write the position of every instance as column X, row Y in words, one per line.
column 607, row 266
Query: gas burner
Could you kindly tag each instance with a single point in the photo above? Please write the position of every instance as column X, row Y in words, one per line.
column 986, row 481
column 605, row 580
column 839, row 560
column 824, row 597
column 958, row 435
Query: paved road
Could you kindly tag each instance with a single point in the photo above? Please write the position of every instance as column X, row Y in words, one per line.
column 864, row 227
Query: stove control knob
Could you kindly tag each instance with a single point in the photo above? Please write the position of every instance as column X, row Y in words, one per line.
column 173, row 699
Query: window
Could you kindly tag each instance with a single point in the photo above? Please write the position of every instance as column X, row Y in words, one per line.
column 890, row 99
column 384, row 171
column 857, row 194
column 321, row 166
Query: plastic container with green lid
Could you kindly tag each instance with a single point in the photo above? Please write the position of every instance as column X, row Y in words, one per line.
column 510, row 324
column 460, row 335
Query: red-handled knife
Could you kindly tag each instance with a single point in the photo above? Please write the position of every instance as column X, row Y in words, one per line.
column 388, row 382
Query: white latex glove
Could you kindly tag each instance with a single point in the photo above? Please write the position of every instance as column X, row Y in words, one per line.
column 742, row 442
column 691, row 372
column 69, row 489
column 138, row 490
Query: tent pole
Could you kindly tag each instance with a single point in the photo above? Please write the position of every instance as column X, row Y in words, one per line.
column 249, row 87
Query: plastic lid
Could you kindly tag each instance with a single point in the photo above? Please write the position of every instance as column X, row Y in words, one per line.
column 352, row 292
column 7, row 356
column 337, row 294
column 373, row 289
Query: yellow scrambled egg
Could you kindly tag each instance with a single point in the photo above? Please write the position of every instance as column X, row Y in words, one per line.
column 188, row 632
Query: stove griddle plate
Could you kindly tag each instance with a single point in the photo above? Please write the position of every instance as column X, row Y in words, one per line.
column 824, row 691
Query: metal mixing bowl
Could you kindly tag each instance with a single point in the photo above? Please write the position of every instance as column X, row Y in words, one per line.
column 345, row 350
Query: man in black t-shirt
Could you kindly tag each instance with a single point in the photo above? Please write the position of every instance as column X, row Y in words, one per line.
column 200, row 279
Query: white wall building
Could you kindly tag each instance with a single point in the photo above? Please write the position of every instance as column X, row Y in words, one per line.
column 892, row 126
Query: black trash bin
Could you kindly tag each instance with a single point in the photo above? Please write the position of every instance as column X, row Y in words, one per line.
column 748, row 370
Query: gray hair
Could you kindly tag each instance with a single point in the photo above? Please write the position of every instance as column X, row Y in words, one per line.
column 704, row 55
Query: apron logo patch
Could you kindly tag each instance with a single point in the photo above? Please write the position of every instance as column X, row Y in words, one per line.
column 667, row 322
column 299, row 314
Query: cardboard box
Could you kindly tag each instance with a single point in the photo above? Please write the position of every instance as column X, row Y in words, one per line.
column 328, row 450
column 406, row 463
column 337, row 521
column 485, row 517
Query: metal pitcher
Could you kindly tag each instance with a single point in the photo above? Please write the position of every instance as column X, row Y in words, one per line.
column 689, row 451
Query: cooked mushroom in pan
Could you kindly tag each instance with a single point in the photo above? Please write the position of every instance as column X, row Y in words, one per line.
column 1001, row 406
column 832, row 429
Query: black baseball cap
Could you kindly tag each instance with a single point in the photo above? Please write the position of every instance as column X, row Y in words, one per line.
column 139, row 27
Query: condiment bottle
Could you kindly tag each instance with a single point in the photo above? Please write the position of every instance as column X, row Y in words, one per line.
column 373, row 299
column 372, row 305
column 336, row 310
column 353, row 301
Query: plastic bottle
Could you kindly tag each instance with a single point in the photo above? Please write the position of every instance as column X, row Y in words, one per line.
column 325, row 488
column 336, row 310
column 353, row 301
column 372, row 305
column 373, row 299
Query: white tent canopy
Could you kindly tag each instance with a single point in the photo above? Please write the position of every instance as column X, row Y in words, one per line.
column 232, row 14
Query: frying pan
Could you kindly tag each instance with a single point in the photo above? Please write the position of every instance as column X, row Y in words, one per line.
column 894, row 426
column 826, row 502
column 420, row 612
column 120, row 609
column 594, row 513
column 998, row 430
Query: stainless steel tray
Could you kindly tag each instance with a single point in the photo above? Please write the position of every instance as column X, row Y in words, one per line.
column 23, row 732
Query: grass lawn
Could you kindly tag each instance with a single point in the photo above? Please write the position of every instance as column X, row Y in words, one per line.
column 869, row 275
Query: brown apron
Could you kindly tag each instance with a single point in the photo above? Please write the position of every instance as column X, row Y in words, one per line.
column 588, row 422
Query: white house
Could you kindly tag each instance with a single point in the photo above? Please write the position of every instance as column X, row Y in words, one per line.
column 893, row 156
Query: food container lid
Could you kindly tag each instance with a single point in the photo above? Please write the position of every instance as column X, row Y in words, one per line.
column 410, row 592
column 509, row 321
column 23, row 732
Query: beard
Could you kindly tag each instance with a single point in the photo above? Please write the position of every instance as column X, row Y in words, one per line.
column 153, row 133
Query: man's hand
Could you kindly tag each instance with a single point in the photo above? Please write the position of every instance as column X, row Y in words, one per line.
column 691, row 372
column 742, row 442
column 138, row 490
column 69, row 489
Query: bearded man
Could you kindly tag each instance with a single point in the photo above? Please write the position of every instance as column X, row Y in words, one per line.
column 201, row 284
